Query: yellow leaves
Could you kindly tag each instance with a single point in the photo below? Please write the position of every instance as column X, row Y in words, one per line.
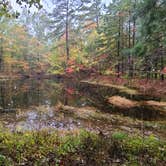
column 21, row 51
column 75, row 52
column 77, row 45
column 92, row 36
column 8, row 50
column 9, row 60
column 1, row 35
column 109, row 72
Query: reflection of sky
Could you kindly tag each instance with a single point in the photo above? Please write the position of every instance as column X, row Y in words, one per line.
column 46, row 4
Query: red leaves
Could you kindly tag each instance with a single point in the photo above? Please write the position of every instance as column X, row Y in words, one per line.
column 70, row 91
column 73, row 67
column 69, row 70
column 81, row 66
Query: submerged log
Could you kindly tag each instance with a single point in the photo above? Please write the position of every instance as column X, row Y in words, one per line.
column 7, row 110
column 122, row 102
column 142, row 109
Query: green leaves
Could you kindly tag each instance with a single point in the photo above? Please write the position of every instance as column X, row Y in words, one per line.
column 6, row 10
column 36, row 3
column 119, row 136
column 48, row 148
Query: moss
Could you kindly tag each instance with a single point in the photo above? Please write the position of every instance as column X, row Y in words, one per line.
column 53, row 148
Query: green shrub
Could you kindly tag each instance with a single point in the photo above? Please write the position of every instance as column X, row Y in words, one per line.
column 85, row 148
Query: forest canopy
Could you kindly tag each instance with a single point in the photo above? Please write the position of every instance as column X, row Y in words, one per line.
column 125, row 37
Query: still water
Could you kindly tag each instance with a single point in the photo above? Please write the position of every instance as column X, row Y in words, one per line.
column 33, row 104
column 29, row 104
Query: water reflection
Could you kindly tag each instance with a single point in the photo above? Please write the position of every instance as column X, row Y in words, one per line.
column 29, row 104
column 25, row 93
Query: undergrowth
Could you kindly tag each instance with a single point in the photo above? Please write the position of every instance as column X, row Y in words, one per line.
column 84, row 148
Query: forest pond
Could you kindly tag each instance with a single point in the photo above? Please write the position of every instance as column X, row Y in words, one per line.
column 31, row 104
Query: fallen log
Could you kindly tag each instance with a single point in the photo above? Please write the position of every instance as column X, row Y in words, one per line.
column 142, row 109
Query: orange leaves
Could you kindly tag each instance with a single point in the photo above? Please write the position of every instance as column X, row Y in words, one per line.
column 24, row 65
column 16, row 65
column 71, row 62
column 71, row 66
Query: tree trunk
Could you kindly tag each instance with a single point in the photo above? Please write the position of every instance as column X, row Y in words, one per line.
column 67, row 32
column 122, row 45
column 1, row 55
column 118, row 49
column 97, row 21
column 134, row 24
column 134, row 31
column 97, row 13
column 162, row 64
column 129, row 58
column 156, row 69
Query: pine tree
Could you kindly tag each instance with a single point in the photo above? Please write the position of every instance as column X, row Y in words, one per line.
column 65, row 17
column 153, row 34
column 93, row 12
